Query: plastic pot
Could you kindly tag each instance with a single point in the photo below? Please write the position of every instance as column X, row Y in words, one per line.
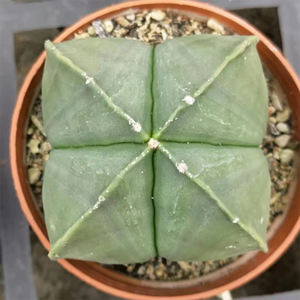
column 283, row 230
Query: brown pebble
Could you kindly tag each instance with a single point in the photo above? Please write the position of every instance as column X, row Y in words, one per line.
column 123, row 22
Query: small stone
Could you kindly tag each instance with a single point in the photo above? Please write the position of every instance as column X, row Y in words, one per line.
column 271, row 110
column 275, row 198
column 130, row 17
column 157, row 15
column 38, row 124
column 283, row 127
column 142, row 270
column 184, row 266
column 272, row 120
column 30, row 131
column 214, row 25
column 276, row 153
column 282, row 140
column 159, row 272
column 34, row 175
column 83, row 35
column 276, row 101
column 150, row 270
column 273, row 129
column 286, row 156
column 45, row 147
column 130, row 268
column 283, row 116
column 33, row 146
column 123, row 22
column 182, row 168
column 91, row 31
column 108, row 25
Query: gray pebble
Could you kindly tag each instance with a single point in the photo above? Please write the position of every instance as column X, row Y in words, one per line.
column 273, row 129
column 142, row 270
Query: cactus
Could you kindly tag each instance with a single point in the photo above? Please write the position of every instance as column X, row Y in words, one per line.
column 155, row 149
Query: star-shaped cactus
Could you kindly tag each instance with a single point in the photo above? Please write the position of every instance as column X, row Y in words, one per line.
column 155, row 149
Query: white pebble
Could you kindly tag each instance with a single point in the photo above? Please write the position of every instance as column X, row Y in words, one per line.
column 182, row 168
column 283, row 127
column 189, row 100
column 282, row 140
column 211, row 23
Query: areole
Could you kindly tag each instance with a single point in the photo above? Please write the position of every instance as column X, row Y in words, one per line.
column 230, row 277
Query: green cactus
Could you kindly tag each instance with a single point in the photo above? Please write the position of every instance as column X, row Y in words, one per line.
column 155, row 149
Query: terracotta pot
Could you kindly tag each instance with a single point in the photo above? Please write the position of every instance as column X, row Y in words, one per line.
column 281, row 235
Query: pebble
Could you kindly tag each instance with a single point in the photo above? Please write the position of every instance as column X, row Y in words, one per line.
column 157, row 15
column 211, row 23
column 273, row 129
column 142, row 270
column 271, row 110
column 38, row 124
column 91, row 31
column 275, row 198
column 150, row 270
column 282, row 140
column 81, row 36
column 30, row 131
column 159, row 272
column 123, row 22
column 34, row 175
column 45, row 147
column 130, row 268
column 286, row 156
column 283, row 116
column 276, row 101
column 272, row 120
column 130, row 17
column 108, row 25
column 283, row 127
column 33, row 146
column 184, row 266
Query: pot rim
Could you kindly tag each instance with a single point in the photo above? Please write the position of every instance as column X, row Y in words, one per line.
column 185, row 6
